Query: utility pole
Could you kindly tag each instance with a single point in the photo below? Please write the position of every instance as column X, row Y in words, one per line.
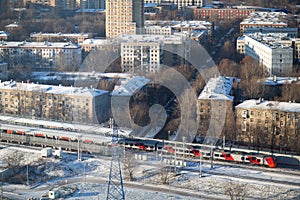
column 27, row 176
column 115, row 190
column 79, row 148
column 211, row 157
column 200, row 165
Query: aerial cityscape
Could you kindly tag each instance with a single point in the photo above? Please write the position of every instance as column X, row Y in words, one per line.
column 149, row 99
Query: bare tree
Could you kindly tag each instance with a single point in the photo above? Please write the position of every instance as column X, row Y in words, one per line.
column 236, row 191
column 129, row 165
column 13, row 159
column 166, row 173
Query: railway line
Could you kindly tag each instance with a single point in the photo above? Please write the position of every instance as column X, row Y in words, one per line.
column 92, row 141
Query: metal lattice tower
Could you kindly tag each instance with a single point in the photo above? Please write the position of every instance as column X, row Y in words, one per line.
column 115, row 189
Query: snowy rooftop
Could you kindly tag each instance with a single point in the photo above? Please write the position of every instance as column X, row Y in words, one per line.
column 218, row 88
column 151, row 38
column 270, row 105
column 265, row 18
column 280, row 80
column 25, row 44
column 51, row 89
column 59, row 34
column 98, row 42
column 272, row 40
column 178, row 24
column 127, row 88
column 3, row 34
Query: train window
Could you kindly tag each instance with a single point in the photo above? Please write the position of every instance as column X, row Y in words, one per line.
column 222, row 155
column 208, row 154
column 258, row 160
column 247, row 158
column 217, row 155
column 242, row 158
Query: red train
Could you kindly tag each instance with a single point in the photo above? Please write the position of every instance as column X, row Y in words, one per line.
column 238, row 157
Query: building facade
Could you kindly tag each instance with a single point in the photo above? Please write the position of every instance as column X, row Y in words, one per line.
column 276, row 57
column 41, row 56
column 124, row 17
column 3, row 71
column 147, row 53
column 60, row 37
column 214, row 104
column 264, row 19
column 70, row 104
column 219, row 13
column 180, row 3
column 268, row 123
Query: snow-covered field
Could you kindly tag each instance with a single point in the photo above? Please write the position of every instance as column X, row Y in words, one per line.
column 90, row 177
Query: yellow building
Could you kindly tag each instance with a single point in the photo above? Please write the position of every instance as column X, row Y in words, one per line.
column 84, row 105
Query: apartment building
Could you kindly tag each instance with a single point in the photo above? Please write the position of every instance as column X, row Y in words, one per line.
column 146, row 53
column 124, row 17
column 180, row 3
column 91, row 4
column 196, row 30
column 264, row 19
column 60, row 37
column 121, row 95
column 270, row 50
column 70, row 104
column 101, row 44
column 219, row 13
column 275, row 124
column 41, row 56
column 214, row 103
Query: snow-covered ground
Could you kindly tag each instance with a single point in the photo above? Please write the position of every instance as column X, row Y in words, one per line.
column 90, row 177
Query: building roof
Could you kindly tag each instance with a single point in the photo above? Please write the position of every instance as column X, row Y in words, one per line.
column 280, row 80
column 269, row 105
column 261, row 18
column 25, row 44
column 59, row 34
column 217, row 88
column 3, row 34
column 272, row 40
column 129, row 87
column 141, row 39
column 51, row 89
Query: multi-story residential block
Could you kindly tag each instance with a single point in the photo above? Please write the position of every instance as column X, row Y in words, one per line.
column 121, row 95
column 264, row 19
column 60, row 37
column 261, row 123
column 84, row 105
column 196, row 30
column 41, row 56
column 146, row 53
column 274, row 55
column 51, row 3
column 180, row 3
column 91, row 4
column 219, row 13
column 215, row 99
column 291, row 32
column 101, row 44
column 124, row 17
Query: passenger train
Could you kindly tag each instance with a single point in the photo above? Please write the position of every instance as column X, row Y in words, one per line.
column 189, row 151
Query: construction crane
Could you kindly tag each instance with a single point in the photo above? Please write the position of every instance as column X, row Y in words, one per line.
column 115, row 190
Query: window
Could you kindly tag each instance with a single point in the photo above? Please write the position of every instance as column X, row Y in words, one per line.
column 251, row 113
